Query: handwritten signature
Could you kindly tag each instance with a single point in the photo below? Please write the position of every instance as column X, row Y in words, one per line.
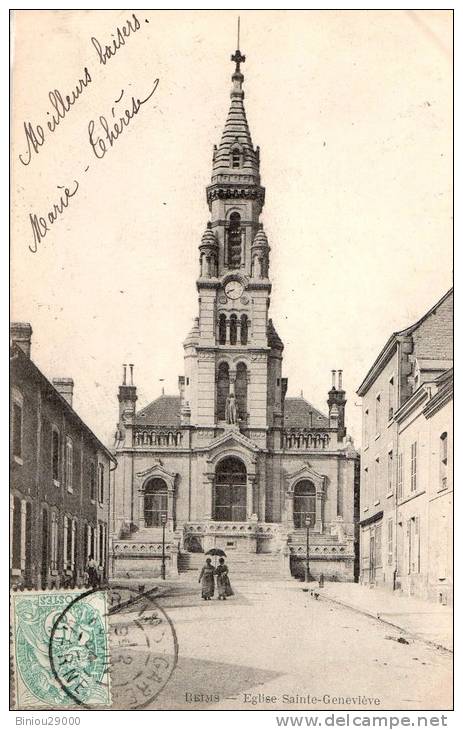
column 107, row 52
column 113, row 129
column 35, row 135
column 41, row 224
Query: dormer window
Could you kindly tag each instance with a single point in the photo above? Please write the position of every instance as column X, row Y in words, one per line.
column 236, row 157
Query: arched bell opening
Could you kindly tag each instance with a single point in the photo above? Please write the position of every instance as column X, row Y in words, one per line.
column 234, row 241
column 241, row 391
column 223, row 388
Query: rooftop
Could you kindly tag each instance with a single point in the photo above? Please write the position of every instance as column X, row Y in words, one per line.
column 299, row 413
column 163, row 411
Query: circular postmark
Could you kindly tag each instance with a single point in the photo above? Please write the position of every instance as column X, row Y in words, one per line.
column 122, row 661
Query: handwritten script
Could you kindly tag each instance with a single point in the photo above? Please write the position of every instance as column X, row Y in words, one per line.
column 103, row 131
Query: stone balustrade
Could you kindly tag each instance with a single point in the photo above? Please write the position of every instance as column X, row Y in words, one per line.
column 150, row 436
column 256, row 529
column 305, row 439
column 127, row 548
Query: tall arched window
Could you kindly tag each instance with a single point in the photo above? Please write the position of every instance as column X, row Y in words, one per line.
column 155, row 502
column 230, row 490
column 222, row 329
column 234, row 241
column 244, row 329
column 304, row 504
column 223, row 387
column 241, row 390
column 233, row 329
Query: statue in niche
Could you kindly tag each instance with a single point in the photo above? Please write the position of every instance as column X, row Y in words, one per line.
column 231, row 415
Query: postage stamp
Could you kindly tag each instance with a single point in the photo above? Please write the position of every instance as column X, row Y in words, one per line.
column 72, row 626
column 100, row 649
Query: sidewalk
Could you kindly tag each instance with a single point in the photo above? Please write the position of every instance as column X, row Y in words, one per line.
column 429, row 622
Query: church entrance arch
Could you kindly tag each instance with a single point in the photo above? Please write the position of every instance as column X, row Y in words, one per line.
column 304, row 504
column 229, row 500
column 155, row 502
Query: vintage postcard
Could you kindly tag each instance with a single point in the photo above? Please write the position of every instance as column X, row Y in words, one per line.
column 231, row 352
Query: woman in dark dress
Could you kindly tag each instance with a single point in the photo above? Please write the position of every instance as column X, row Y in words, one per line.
column 223, row 582
column 206, row 578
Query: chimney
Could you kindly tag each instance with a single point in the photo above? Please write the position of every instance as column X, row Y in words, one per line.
column 127, row 395
column 65, row 387
column 336, row 404
column 20, row 334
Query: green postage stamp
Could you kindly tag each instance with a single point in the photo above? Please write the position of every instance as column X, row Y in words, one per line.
column 60, row 650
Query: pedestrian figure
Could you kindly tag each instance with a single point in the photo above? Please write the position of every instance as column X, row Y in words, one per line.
column 92, row 570
column 206, row 578
column 321, row 581
column 223, row 581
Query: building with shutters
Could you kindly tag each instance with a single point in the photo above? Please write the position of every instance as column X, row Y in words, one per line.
column 59, row 479
column 231, row 461
column 406, row 493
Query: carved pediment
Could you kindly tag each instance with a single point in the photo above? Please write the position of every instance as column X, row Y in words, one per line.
column 231, row 437
column 158, row 470
column 231, row 443
column 305, row 471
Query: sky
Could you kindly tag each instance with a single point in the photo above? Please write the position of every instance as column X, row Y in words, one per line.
column 352, row 111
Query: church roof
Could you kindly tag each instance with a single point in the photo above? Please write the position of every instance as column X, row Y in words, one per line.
column 164, row 411
column 297, row 414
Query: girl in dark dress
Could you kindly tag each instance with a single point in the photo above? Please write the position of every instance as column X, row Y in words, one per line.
column 223, row 582
column 206, row 578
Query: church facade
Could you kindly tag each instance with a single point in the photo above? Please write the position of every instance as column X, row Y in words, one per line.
column 232, row 462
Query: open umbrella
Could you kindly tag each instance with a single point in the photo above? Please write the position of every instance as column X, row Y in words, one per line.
column 217, row 552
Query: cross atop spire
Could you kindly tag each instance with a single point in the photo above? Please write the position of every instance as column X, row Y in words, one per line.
column 238, row 58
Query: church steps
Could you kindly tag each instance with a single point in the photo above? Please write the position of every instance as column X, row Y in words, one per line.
column 249, row 566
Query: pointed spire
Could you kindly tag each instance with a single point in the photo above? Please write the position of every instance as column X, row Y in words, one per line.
column 236, row 137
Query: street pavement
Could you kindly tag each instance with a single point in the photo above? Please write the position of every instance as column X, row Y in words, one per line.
column 273, row 646
column 430, row 621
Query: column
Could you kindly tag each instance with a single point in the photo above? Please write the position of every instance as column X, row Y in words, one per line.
column 170, row 509
column 227, row 331
column 238, row 331
column 318, row 511
column 290, row 510
column 141, row 510
column 249, row 495
column 207, row 486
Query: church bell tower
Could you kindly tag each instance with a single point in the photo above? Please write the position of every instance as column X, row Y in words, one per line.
column 233, row 354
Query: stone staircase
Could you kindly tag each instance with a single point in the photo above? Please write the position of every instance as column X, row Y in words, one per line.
column 242, row 566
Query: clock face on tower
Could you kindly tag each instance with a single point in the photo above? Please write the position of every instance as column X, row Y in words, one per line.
column 234, row 289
